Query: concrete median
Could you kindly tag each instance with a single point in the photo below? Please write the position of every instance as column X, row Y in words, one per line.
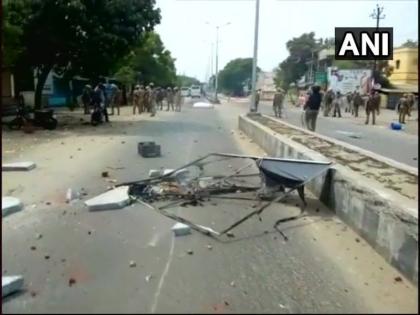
column 374, row 195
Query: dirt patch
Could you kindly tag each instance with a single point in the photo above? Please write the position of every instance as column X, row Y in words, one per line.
column 390, row 177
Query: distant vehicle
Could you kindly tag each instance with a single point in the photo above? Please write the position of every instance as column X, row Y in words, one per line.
column 185, row 91
column 195, row 91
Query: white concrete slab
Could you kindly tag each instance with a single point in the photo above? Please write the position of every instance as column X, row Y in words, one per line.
column 181, row 229
column 114, row 199
column 10, row 284
column 203, row 105
column 10, row 205
column 18, row 166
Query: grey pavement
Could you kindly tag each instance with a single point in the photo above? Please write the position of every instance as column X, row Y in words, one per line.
column 83, row 262
column 401, row 146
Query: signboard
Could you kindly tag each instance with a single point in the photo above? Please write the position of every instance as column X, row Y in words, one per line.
column 321, row 77
column 349, row 80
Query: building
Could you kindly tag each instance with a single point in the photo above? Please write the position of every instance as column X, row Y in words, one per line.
column 266, row 83
column 405, row 68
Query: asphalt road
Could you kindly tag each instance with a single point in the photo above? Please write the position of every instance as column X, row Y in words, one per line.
column 399, row 146
column 323, row 267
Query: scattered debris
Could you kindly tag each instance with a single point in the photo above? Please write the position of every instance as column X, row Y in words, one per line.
column 357, row 240
column 47, row 257
column 33, row 247
column 38, row 236
column 10, row 284
column 48, row 203
column 122, row 142
column 111, row 180
column 230, row 234
column 89, row 232
column 33, row 294
column 63, row 260
column 398, row 279
column 317, row 210
column 281, row 305
column 132, row 263
column 18, row 166
column 72, row 282
column 209, row 247
column 190, row 252
column 79, row 149
column 105, row 174
column 226, row 303
column 71, row 156
column 113, row 199
column 181, row 229
column 148, row 277
column 64, row 212
column 72, row 195
column 10, row 205
column 232, row 284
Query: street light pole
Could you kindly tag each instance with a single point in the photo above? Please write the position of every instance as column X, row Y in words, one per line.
column 253, row 105
column 217, row 62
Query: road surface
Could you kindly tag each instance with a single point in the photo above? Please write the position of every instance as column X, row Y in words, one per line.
column 397, row 145
column 323, row 267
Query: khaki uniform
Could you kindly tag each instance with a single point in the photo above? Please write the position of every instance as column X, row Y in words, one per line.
column 278, row 104
column 357, row 102
column 329, row 97
column 372, row 107
column 403, row 109
column 152, row 101
column 170, row 99
column 178, row 101
column 136, row 101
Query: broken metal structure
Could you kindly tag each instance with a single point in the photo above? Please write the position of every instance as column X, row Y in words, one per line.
column 264, row 179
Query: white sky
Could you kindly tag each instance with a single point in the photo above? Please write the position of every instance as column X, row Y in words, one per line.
column 185, row 33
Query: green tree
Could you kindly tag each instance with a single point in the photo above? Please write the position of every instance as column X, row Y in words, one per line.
column 82, row 37
column 151, row 61
column 411, row 44
column 183, row 80
column 301, row 50
column 234, row 75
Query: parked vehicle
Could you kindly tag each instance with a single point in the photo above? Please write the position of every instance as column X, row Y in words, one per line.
column 195, row 91
column 41, row 118
column 185, row 91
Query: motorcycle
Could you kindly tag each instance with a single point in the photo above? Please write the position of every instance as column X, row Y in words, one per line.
column 41, row 118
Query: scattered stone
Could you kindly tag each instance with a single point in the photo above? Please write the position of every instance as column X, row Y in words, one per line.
column 122, row 142
column 398, row 279
column 72, row 281
column 281, row 305
column 64, row 212
column 226, row 303
column 63, row 260
column 18, row 166
column 89, row 232
column 209, row 247
column 190, row 252
column 72, row 195
column 133, row 264
column 366, row 284
column 357, row 240
column 10, row 205
column 71, row 156
column 113, row 199
column 48, row 203
column 181, row 229
column 253, row 206
column 148, row 277
column 33, row 247
column 47, row 257
column 274, row 237
column 345, row 290
column 38, row 236
column 10, row 284
column 105, row 174
column 79, row 149
column 33, row 294
column 414, row 158
column 265, row 232
column 62, row 143
column 232, row 284
column 214, row 203
column 230, row 234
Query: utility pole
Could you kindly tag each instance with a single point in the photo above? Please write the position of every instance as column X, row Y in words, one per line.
column 253, row 105
column 377, row 15
column 217, row 64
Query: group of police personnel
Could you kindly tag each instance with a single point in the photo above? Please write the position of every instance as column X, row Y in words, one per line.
column 351, row 102
column 150, row 99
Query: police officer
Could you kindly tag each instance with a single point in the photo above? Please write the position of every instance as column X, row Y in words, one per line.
column 372, row 106
column 136, row 99
column 357, row 102
column 403, row 108
column 170, row 98
column 278, row 103
column 329, row 97
column 152, row 99
column 337, row 104
column 87, row 97
column 178, row 99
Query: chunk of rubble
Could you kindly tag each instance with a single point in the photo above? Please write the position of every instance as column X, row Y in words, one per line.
column 10, row 205
column 72, row 195
column 18, row 166
column 181, row 229
column 10, row 284
column 116, row 198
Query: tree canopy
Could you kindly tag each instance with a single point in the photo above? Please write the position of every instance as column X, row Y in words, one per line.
column 149, row 61
column 183, row 80
column 235, row 74
column 85, row 37
column 411, row 44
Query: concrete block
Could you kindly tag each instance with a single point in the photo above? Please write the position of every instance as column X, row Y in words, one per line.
column 370, row 224
column 181, row 229
column 114, row 199
column 18, row 166
column 10, row 284
column 72, row 195
column 10, row 205
column 407, row 256
column 154, row 173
